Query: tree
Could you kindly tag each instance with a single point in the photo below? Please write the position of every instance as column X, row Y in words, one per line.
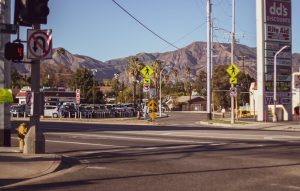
column 83, row 80
column 157, row 67
column 221, row 86
column 243, row 86
column 200, row 83
column 134, row 67
column 17, row 80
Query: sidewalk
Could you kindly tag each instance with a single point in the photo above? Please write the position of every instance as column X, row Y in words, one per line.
column 16, row 167
column 242, row 124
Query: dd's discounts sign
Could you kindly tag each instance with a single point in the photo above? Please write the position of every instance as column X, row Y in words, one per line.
column 278, row 33
column 274, row 31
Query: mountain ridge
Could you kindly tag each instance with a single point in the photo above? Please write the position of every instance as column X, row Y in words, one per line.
column 192, row 56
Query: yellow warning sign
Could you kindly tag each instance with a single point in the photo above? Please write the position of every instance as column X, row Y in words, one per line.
column 233, row 80
column 152, row 115
column 152, row 104
column 147, row 71
column 147, row 80
column 233, row 70
column 6, row 96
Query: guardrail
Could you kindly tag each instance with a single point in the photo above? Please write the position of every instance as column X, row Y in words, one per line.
column 18, row 115
column 100, row 114
column 81, row 115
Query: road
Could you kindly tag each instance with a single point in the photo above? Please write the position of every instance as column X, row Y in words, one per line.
column 181, row 156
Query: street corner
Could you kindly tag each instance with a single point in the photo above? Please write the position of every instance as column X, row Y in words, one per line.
column 18, row 167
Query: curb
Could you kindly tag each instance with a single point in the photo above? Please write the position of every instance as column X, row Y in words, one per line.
column 53, row 167
column 250, row 126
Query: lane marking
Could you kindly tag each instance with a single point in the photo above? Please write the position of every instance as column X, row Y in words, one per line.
column 212, row 135
column 129, row 138
column 81, row 143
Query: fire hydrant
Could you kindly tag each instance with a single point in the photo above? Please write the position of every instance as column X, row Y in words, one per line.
column 22, row 131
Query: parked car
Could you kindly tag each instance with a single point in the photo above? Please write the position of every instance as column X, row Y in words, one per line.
column 51, row 111
column 18, row 110
column 67, row 111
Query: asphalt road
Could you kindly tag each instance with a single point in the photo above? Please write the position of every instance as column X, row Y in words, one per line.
column 180, row 156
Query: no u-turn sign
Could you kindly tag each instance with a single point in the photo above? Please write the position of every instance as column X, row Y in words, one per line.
column 39, row 44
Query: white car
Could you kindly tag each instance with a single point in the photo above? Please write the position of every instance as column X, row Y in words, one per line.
column 51, row 111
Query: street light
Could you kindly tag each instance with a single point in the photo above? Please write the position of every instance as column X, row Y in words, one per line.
column 274, row 83
column 94, row 72
column 160, row 73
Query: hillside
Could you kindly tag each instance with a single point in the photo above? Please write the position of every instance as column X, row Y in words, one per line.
column 193, row 56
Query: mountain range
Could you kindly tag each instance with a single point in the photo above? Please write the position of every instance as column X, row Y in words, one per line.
column 192, row 56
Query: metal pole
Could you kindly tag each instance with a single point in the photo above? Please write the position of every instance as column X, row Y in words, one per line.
column 160, row 92
column 94, row 72
column 208, row 54
column 232, row 56
column 35, row 140
column 275, row 82
column 5, row 68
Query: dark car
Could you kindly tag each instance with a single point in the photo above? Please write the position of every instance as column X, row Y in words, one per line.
column 67, row 111
column 18, row 110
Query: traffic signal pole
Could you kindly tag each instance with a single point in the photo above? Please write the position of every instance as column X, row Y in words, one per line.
column 5, row 124
column 35, row 140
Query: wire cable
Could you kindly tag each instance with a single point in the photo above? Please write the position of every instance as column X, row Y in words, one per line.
column 144, row 25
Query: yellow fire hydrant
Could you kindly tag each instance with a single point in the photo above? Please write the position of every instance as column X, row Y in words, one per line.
column 22, row 131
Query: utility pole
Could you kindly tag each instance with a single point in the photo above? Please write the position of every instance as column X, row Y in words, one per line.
column 232, row 56
column 4, row 76
column 94, row 76
column 208, row 54
column 35, row 140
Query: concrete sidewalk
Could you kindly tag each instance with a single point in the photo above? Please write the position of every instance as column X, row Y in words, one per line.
column 16, row 167
column 283, row 126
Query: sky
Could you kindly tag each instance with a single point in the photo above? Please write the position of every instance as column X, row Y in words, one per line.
column 101, row 30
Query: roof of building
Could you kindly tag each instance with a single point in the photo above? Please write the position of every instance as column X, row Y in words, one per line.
column 185, row 99
column 22, row 94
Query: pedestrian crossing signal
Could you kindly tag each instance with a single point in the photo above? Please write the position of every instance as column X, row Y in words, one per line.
column 14, row 51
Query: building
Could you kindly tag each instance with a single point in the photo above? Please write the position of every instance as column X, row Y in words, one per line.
column 280, row 110
column 61, row 94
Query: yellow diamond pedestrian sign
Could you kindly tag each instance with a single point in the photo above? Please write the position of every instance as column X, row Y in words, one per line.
column 147, row 71
column 233, row 70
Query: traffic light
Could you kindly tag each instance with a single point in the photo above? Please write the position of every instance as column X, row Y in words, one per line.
column 14, row 51
column 28, row 12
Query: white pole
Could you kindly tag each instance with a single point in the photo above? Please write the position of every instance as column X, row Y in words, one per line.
column 160, row 92
column 275, row 82
column 208, row 63
column 232, row 56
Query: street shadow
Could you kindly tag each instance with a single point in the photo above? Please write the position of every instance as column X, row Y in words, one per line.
column 67, row 185
column 102, row 127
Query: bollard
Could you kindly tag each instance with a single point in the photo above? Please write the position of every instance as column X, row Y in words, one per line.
column 22, row 131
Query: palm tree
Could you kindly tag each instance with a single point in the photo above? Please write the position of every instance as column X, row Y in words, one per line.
column 157, row 67
column 133, row 69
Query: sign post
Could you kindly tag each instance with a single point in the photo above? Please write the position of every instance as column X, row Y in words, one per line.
column 232, row 70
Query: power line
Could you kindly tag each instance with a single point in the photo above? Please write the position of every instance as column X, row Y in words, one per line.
column 144, row 25
column 187, row 34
